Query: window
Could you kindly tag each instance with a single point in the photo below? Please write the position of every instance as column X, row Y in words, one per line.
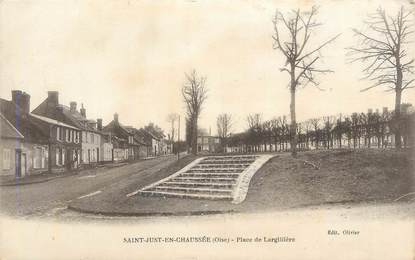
column 57, row 158
column 37, row 158
column 92, row 137
column 6, row 159
column 84, row 137
column 63, row 156
column 58, row 133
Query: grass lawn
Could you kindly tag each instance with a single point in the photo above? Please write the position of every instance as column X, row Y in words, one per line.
column 342, row 176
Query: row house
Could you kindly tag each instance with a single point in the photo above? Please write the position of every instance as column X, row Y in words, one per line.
column 96, row 146
column 44, row 145
column 142, row 149
column 155, row 144
column 106, row 154
column 87, row 138
column 124, row 145
column 11, row 145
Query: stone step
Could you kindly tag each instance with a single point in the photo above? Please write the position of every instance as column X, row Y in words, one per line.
column 212, row 165
column 226, row 162
column 203, row 179
column 161, row 187
column 186, row 195
column 216, row 170
column 210, row 174
column 199, row 184
column 232, row 157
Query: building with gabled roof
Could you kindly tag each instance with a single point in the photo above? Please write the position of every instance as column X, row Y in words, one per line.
column 90, row 138
column 125, row 145
column 42, row 148
column 11, row 143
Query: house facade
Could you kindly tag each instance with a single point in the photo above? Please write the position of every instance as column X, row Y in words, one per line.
column 124, row 146
column 65, row 137
column 43, row 147
column 141, row 149
column 207, row 143
column 106, row 154
column 11, row 144
column 152, row 142
column 89, row 138
column 90, row 135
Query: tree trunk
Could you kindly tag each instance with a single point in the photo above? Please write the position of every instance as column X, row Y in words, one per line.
column 398, row 143
column 194, row 136
column 293, row 125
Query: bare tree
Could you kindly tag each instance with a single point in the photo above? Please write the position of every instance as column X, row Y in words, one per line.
column 224, row 125
column 329, row 122
column 254, row 129
column 194, row 94
column 315, row 124
column 384, row 51
column 301, row 60
column 171, row 118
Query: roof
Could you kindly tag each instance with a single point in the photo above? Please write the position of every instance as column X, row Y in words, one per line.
column 26, row 125
column 63, row 114
column 77, row 119
column 7, row 130
column 152, row 135
column 136, row 133
column 116, row 128
column 52, row 121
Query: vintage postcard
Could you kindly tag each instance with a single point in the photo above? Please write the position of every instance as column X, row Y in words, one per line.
column 195, row 129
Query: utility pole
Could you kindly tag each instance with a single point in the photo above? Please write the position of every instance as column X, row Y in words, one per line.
column 178, row 141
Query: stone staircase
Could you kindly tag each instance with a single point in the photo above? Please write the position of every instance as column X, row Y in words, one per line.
column 212, row 177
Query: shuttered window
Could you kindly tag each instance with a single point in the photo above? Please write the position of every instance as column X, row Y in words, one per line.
column 6, row 159
column 57, row 158
column 37, row 158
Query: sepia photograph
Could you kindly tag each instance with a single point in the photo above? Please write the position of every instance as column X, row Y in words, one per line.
column 271, row 129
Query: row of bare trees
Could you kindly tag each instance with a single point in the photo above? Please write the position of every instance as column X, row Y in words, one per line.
column 359, row 130
column 382, row 48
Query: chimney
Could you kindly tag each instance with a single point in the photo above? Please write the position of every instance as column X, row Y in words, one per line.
column 83, row 111
column 99, row 124
column 72, row 106
column 116, row 117
column 53, row 97
column 370, row 111
column 60, row 109
column 385, row 110
column 22, row 100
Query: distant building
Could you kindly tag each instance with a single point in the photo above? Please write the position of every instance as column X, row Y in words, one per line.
column 143, row 148
column 124, row 144
column 155, row 142
column 208, row 143
column 106, row 154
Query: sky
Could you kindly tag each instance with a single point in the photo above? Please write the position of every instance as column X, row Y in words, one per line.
column 131, row 57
